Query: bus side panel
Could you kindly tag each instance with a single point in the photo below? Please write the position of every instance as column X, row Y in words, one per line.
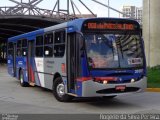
column 24, row 68
column 49, row 66
column 21, row 63
column 39, row 72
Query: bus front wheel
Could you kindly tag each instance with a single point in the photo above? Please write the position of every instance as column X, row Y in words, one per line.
column 59, row 91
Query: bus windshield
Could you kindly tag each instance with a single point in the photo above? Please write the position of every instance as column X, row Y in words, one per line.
column 114, row 50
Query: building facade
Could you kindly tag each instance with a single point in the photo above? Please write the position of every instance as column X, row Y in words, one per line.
column 139, row 14
column 133, row 12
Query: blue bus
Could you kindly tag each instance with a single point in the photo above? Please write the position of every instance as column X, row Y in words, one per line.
column 95, row 57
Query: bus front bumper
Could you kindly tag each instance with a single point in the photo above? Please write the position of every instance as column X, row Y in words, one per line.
column 95, row 89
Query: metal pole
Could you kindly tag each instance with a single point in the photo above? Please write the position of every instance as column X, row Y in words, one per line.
column 58, row 4
column 29, row 8
column 149, row 36
column 54, row 6
column 77, row 8
column 87, row 8
column 108, row 9
column 68, row 7
column 73, row 7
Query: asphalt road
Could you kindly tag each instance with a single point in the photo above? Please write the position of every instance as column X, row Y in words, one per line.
column 35, row 100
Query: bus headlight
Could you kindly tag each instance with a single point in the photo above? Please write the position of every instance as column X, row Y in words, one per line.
column 132, row 80
column 105, row 82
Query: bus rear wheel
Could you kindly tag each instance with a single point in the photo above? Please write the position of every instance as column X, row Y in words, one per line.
column 21, row 78
column 59, row 91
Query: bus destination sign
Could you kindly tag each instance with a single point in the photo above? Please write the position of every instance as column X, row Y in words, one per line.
column 109, row 26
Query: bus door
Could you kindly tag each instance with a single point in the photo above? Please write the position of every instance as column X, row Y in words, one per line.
column 14, row 59
column 73, row 61
column 30, row 61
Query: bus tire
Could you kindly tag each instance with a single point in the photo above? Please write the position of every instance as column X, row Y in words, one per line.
column 21, row 78
column 109, row 97
column 59, row 91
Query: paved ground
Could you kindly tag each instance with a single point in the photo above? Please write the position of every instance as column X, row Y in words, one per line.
column 15, row 99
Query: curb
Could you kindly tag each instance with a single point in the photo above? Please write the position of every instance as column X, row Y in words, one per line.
column 153, row 89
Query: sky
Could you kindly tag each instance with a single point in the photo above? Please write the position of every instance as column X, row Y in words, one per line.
column 96, row 8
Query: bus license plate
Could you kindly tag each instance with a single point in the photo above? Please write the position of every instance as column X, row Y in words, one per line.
column 120, row 88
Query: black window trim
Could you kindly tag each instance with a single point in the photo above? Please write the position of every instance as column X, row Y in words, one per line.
column 51, row 44
column 64, row 43
column 38, row 46
column 19, row 48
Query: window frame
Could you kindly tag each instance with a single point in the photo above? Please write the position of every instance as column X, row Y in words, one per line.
column 60, row 44
column 10, row 50
column 48, row 44
column 19, row 48
column 37, row 46
column 24, row 47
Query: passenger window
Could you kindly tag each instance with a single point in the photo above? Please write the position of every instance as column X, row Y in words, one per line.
column 19, row 48
column 39, row 40
column 39, row 51
column 24, row 51
column 48, row 45
column 19, row 44
column 10, row 45
column 48, row 51
column 59, row 44
column 24, row 43
column 19, row 52
column 48, row 39
column 10, row 49
column 39, row 46
column 24, row 48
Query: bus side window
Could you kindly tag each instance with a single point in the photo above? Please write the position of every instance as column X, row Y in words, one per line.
column 19, row 48
column 39, row 46
column 24, row 47
column 10, row 49
column 48, row 45
column 59, row 43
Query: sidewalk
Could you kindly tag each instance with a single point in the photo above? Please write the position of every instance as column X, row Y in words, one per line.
column 3, row 68
column 153, row 89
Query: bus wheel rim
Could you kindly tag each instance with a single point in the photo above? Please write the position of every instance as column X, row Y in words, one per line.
column 60, row 89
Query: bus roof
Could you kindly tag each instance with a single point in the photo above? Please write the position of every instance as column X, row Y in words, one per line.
column 75, row 24
column 26, row 35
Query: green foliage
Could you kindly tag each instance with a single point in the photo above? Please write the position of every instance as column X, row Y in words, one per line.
column 153, row 75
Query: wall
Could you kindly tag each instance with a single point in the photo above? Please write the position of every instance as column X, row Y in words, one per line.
column 151, row 31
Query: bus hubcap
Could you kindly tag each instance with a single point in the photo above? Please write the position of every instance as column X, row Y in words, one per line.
column 60, row 89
